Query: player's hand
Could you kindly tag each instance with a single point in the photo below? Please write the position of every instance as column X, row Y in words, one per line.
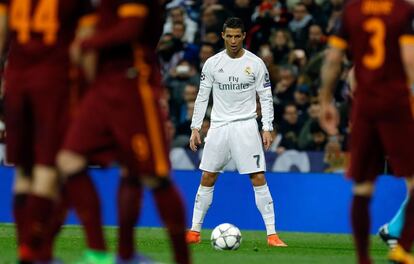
column 267, row 139
column 195, row 139
column 329, row 118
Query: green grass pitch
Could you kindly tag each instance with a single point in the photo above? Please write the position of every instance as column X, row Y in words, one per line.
column 304, row 248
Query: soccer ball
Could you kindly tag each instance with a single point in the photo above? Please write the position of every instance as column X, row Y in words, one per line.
column 226, row 237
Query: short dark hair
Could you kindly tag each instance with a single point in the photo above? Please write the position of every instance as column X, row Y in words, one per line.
column 234, row 22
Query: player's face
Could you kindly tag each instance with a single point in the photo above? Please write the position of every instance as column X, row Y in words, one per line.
column 233, row 41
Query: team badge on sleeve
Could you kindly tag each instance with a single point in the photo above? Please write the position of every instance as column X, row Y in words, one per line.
column 267, row 81
column 202, row 76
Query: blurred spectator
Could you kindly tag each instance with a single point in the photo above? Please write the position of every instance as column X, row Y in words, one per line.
column 302, row 101
column 311, row 72
column 208, row 3
column 289, row 129
column 298, row 58
column 242, row 9
column 273, row 10
column 316, row 11
column 178, row 15
column 206, row 51
column 319, row 137
column 213, row 36
column 170, row 51
column 212, row 19
column 189, row 96
column 305, row 136
column 170, row 132
column 282, row 44
column 266, row 54
column 333, row 13
column 183, row 128
column 178, row 31
column 267, row 15
column 299, row 26
column 180, row 76
column 316, row 41
column 284, row 89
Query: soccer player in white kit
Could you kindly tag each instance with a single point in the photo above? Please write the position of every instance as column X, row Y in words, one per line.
column 235, row 76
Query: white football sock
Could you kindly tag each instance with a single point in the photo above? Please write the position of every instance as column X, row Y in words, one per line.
column 203, row 200
column 264, row 203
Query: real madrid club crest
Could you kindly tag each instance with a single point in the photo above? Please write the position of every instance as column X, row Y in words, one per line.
column 248, row 70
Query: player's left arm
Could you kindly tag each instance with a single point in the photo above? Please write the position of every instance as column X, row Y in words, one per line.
column 3, row 38
column 264, row 91
column 331, row 69
column 86, row 60
column 407, row 51
column 131, row 25
column 3, row 27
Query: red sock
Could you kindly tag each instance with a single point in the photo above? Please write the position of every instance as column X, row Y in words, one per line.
column 37, row 224
column 407, row 235
column 361, row 223
column 172, row 212
column 129, row 207
column 84, row 198
column 58, row 219
column 19, row 213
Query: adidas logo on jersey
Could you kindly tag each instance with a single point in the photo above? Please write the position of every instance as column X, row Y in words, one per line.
column 221, row 70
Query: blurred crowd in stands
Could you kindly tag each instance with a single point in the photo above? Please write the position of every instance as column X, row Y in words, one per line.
column 289, row 35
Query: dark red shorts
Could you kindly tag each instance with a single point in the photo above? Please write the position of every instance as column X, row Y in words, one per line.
column 375, row 137
column 117, row 112
column 35, row 117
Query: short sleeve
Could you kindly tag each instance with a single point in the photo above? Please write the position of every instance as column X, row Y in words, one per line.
column 133, row 8
column 407, row 37
column 3, row 6
column 87, row 13
column 263, row 77
column 339, row 37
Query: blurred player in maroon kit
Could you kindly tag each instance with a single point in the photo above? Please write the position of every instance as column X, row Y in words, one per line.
column 380, row 37
column 122, row 107
column 36, row 112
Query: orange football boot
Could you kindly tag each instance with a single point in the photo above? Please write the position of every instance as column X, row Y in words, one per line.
column 275, row 241
column 193, row 237
column 399, row 255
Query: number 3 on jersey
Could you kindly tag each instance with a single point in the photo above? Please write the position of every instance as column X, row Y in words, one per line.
column 44, row 20
column 376, row 27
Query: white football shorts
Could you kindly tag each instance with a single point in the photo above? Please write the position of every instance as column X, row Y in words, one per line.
column 240, row 141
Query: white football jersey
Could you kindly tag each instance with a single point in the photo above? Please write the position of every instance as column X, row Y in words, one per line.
column 234, row 83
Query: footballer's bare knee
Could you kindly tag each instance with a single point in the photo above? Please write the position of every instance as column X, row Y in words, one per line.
column 22, row 182
column 258, row 178
column 70, row 163
column 363, row 188
column 208, row 179
column 45, row 181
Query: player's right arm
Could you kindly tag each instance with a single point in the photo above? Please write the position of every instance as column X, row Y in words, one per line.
column 201, row 103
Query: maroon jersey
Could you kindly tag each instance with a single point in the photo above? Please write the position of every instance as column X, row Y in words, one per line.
column 127, row 34
column 41, row 32
column 373, row 30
